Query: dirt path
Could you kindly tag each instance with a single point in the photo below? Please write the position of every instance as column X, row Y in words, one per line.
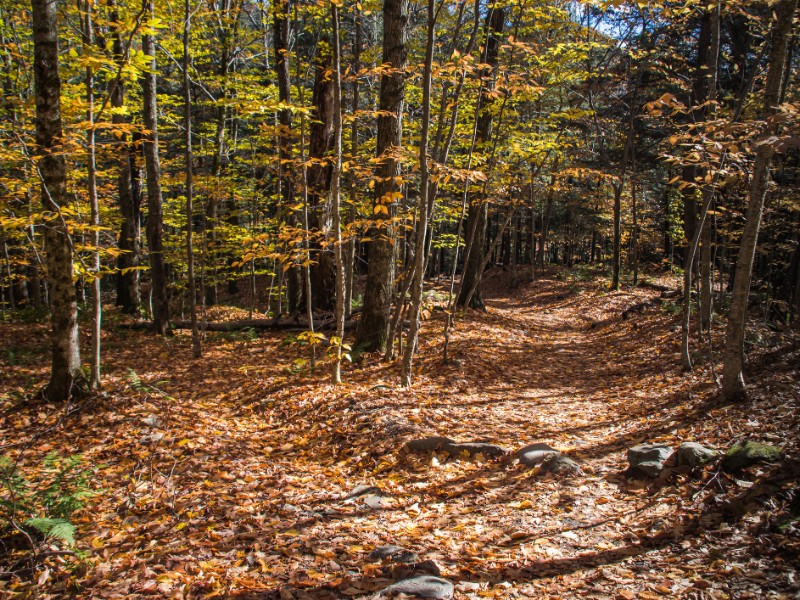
column 227, row 476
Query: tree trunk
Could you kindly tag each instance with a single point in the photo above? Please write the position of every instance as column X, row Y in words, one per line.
column 187, row 127
column 155, row 219
column 323, row 275
column 350, row 254
column 374, row 324
column 97, row 304
column 733, row 387
column 616, row 258
column 66, row 365
column 635, row 233
column 547, row 211
column 477, row 215
column 128, row 188
column 336, row 178
column 707, row 237
column 423, row 215
column 706, row 252
column 281, row 23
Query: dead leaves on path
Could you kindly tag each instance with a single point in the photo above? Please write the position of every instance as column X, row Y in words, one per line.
column 230, row 476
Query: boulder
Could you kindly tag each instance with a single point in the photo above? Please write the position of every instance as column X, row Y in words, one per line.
column 647, row 460
column 692, row 454
column 429, row 444
column 426, row 586
column 535, row 454
column 557, row 464
column 748, row 453
column 475, row 448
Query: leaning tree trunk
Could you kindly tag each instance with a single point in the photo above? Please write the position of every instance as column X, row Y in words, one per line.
column 373, row 328
column 477, row 215
column 155, row 217
column 733, row 387
column 66, row 366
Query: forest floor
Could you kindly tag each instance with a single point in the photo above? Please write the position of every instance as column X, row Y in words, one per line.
column 229, row 475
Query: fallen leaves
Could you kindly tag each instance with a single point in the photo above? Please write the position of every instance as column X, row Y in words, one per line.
column 243, row 490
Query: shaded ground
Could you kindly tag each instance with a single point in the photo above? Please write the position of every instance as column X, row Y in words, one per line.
column 243, row 494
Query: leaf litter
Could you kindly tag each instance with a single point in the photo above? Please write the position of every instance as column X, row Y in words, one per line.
column 234, row 475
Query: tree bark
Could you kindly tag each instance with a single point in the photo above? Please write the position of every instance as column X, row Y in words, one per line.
column 707, row 237
column 97, row 303
column 733, row 386
column 155, row 217
column 350, row 253
column 423, row 215
column 374, row 324
column 281, row 24
column 320, row 171
column 66, row 358
column 548, row 208
column 187, row 127
column 704, row 90
column 477, row 215
column 128, row 188
column 336, row 178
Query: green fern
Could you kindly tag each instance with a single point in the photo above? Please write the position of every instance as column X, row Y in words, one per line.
column 135, row 381
column 55, row 529
column 44, row 503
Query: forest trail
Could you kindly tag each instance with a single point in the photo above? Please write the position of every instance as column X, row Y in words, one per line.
column 229, row 476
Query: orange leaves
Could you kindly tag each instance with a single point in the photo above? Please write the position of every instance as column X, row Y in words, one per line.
column 244, row 492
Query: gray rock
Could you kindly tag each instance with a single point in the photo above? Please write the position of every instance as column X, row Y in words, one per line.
column 748, row 453
column 535, row 454
column 692, row 454
column 426, row 586
column 473, row 448
column 429, row 444
column 647, row 460
column 393, row 553
column 646, row 468
column 557, row 464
